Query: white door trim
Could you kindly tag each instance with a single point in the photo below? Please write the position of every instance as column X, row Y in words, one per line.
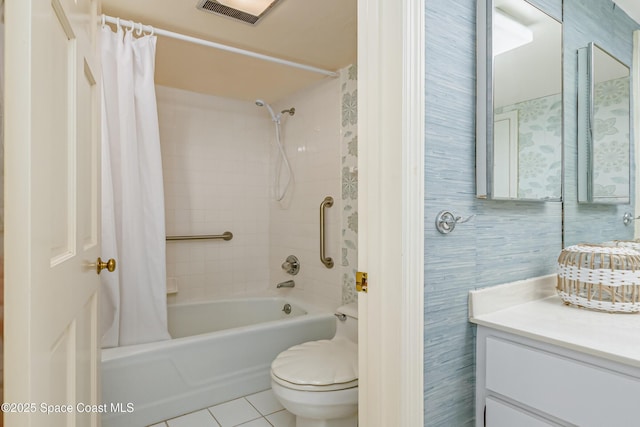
column 635, row 79
column 391, row 220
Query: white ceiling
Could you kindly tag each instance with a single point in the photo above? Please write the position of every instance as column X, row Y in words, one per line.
column 632, row 7
column 318, row 33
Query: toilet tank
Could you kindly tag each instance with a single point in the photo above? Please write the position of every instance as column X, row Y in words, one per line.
column 348, row 327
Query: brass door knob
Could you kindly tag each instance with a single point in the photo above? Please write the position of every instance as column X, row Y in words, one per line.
column 109, row 265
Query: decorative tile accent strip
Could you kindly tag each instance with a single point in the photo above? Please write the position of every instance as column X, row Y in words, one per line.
column 349, row 259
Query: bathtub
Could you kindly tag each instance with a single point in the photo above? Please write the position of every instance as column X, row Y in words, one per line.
column 221, row 350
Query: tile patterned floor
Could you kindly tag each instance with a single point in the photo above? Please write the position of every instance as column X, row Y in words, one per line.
column 256, row 410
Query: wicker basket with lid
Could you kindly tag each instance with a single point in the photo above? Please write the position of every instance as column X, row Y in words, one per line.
column 631, row 244
column 600, row 277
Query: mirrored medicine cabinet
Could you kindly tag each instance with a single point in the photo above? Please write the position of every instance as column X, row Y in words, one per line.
column 519, row 102
column 604, row 150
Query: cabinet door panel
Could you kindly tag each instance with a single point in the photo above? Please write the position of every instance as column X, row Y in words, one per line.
column 500, row 414
column 577, row 392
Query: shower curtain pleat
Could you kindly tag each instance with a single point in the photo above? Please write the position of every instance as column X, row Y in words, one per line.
column 133, row 300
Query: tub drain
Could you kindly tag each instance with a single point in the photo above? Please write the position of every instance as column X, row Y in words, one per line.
column 287, row 309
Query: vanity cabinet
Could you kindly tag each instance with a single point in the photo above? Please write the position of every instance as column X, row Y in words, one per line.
column 529, row 383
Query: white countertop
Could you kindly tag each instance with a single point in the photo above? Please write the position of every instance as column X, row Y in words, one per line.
column 531, row 309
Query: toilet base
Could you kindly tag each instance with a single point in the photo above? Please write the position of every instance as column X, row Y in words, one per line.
column 337, row 408
column 351, row 421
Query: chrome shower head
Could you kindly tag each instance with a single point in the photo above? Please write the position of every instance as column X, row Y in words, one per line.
column 261, row 103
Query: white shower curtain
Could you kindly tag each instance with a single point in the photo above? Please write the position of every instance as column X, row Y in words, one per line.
column 133, row 307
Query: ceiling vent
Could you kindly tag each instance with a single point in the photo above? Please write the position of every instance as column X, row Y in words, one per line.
column 239, row 10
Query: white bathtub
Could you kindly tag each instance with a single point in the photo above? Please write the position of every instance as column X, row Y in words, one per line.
column 221, row 350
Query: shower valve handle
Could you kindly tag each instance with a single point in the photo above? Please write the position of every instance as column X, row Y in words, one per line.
column 291, row 265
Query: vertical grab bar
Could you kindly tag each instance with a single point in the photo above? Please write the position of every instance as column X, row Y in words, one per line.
column 326, row 203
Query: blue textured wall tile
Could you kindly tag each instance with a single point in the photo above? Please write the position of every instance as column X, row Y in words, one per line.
column 505, row 241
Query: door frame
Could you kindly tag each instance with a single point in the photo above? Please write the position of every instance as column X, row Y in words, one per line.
column 391, row 108
column 635, row 80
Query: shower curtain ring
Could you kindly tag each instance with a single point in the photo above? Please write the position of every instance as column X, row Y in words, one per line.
column 139, row 30
column 104, row 20
column 118, row 28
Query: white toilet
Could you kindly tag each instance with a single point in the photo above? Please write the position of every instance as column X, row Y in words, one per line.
column 317, row 381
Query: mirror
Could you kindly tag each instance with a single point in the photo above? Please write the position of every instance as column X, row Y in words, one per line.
column 612, row 29
column 519, row 123
column 603, row 127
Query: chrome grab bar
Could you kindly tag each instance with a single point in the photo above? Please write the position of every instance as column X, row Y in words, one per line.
column 326, row 203
column 227, row 235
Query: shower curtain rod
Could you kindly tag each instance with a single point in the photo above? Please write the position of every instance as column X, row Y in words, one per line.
column 166, row 33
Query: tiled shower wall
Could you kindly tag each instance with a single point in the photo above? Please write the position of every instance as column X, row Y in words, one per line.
column 215, row 155
column 313, row 145
column 218, row 157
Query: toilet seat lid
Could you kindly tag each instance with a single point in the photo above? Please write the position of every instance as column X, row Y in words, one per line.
column 319, row 363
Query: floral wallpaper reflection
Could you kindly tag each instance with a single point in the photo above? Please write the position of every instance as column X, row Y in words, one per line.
column 539, row 146
column 611, row 140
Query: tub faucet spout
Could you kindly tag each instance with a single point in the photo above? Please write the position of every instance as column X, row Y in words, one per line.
column 287, row 284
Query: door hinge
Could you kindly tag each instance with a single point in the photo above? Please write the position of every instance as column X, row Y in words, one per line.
column 361, row 282
column 485, row 416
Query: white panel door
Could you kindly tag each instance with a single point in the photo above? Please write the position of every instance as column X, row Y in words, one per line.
column 52, row 216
